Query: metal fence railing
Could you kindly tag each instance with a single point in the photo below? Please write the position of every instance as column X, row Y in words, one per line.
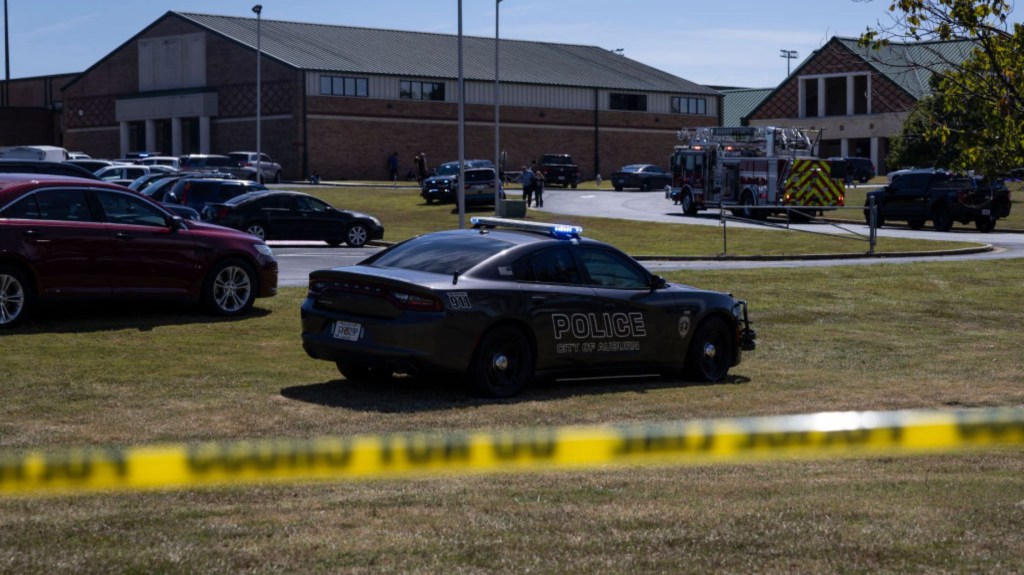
column 803, row 215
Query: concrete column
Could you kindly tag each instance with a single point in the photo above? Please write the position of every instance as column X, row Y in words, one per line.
column 844, row 147
column 126, row 133
column 821, row 97
column 870, row 76
column 204, row 134
column 874, row 153
column 851, row 106
column 175, row 136
column 151, row 136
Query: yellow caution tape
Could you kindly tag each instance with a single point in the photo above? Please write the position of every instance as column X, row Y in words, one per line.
column 418, row 454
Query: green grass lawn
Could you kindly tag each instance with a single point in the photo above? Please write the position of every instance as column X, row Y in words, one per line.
column 881, row 337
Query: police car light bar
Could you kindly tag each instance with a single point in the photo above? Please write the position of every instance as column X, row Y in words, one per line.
column 561, row 231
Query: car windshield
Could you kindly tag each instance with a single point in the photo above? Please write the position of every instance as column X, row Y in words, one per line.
column 448, row 169
column 632, row 168
column 441, row 255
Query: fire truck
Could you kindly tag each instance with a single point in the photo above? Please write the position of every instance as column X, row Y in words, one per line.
column 754, row 171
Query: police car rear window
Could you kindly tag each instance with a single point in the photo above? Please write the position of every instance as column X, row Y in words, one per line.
column 441, row 255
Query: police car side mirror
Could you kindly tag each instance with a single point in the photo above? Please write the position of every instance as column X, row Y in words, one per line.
column 658, row 282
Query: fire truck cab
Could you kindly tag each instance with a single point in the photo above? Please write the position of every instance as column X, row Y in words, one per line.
column 753, row 171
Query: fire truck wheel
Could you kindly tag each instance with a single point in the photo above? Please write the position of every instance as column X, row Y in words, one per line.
column 689, row 206
column 748, row 211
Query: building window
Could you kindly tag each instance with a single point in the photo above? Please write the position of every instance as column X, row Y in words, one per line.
column 410, row 90
column 630, row 102
column 343, row 86
column 697, row 106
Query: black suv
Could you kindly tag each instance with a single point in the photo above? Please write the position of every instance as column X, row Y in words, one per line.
column 860, row 169
column 196, row 193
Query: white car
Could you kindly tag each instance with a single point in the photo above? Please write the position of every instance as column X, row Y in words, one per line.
column 246, row 169
column 169, row 161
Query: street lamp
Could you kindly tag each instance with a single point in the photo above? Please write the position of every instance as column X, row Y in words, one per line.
column 258, row 9
column 497, row 108
column 461, row 193
column 788, row 55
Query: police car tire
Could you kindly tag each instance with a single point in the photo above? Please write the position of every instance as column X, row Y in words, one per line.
column 485, row 375
column 711, row 352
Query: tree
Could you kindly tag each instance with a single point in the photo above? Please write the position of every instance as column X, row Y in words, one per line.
column 977, row 112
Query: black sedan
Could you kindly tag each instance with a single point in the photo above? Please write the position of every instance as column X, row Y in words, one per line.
column 644, row 177
column 509, row 301
column 282, row 215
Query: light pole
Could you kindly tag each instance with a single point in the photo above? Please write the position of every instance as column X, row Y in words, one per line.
column 461, row 194
column 497, row 108
column 788, row 55
column 258, row 9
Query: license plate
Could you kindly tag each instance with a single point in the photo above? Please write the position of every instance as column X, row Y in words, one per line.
column 986, row 212
column 347, row 330
column 561, row 177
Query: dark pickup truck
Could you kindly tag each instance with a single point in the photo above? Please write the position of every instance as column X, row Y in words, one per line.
column 559, row 169
column 917, row 196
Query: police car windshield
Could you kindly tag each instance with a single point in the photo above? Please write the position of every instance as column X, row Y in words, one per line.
column 440, row 255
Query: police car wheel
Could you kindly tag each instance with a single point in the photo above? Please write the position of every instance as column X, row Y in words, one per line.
column 711, row 352
column 503, row 363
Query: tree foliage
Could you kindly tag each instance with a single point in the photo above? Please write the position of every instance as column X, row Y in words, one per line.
column 975, row 118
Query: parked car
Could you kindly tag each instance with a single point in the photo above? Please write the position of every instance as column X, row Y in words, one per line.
column 644, row 177
column 443, row 185
column 44, row 167
column 921, row 195
column 91, row 164
column 508, row 300
column 281, row 215
column 246, row 169
column 208, row 163
column 169, row 161
column 858, row 169
column 125, row 174
column 196, row 192
column 73, row 238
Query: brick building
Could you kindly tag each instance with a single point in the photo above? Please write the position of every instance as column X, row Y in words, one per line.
column 30, row 110
column 857, row 96
column 339, row 100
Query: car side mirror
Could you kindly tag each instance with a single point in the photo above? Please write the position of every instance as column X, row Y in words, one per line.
column 171, row 197
column 658, row 282
column 175, row 223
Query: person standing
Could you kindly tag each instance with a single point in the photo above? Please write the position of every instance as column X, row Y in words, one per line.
column 526, row 178
column 393, row 166
column 421, row 167
column 538, row 189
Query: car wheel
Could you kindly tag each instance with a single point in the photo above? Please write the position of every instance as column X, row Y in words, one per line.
column 257, row 229
column 618, row 188
column 711, row 351
column 985, row 225
column 15, row 297
column 359, row 371
column 357, row 236
column 941, row 220
column 879, row 220
column 502, row 364
column 230, row 288
column 689, row 205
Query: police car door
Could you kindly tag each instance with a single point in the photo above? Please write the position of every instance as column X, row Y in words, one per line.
column 633, row 323
column 554, row 300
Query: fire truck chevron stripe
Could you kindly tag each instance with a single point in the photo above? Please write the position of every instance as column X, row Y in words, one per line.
column 810, row 184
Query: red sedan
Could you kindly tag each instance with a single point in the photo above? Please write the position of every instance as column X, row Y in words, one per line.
column 70, row 238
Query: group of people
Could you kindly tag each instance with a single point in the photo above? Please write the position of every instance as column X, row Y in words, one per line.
column 421, row 167
column 533, row 186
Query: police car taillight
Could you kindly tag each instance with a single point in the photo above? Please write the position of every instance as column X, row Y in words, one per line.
column 416, row 302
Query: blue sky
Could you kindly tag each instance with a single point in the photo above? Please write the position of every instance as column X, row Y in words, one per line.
column 724, row 42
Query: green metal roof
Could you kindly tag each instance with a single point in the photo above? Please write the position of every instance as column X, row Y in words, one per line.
column 351, row 50
column 740, row 102
column 911, row 66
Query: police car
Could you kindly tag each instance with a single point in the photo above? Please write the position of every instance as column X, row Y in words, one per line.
column 509, row 301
